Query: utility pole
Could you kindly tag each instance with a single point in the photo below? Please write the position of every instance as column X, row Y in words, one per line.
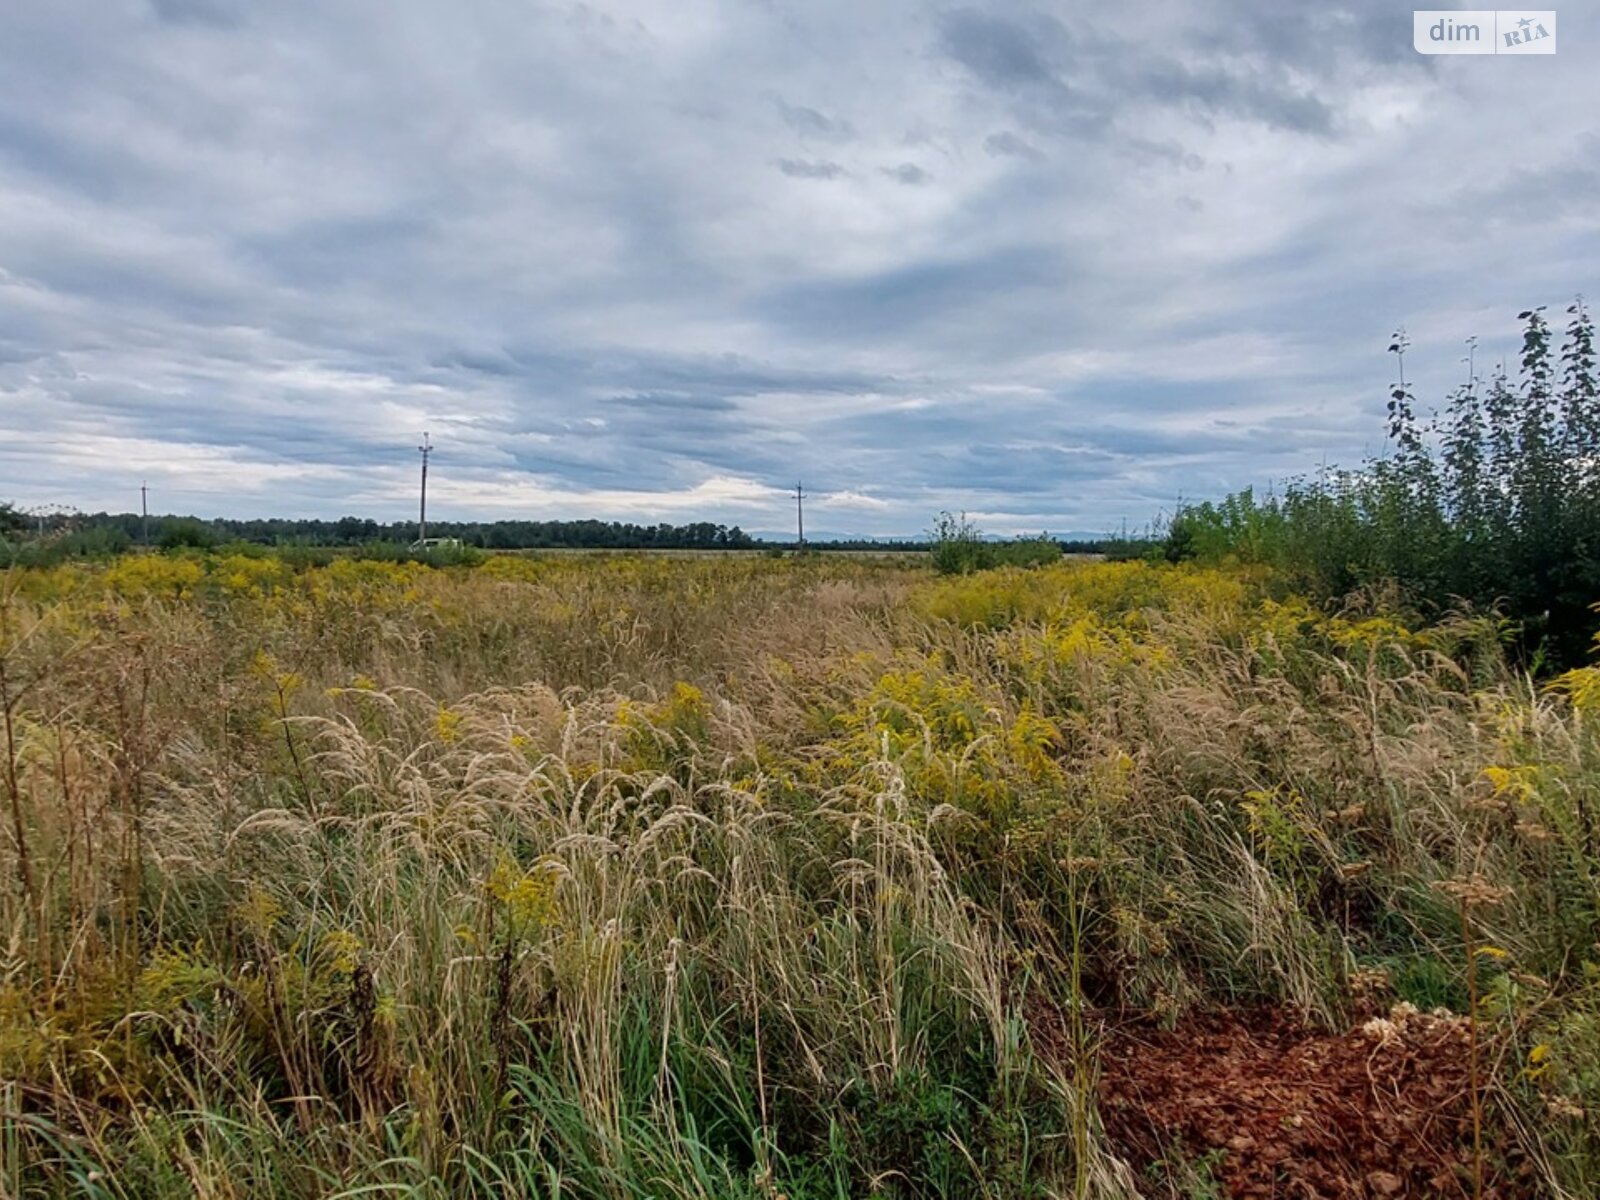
column 1471, row 359
column 144, row 513
column 800, row 515
column 422, row 515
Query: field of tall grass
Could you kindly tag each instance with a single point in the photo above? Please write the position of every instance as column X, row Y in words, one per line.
column 751, row 877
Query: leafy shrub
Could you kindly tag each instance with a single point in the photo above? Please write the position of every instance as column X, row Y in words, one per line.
column 444, row 554
column 958, row 547
column 186, row 533
column 1038, row 551
column 1497, row 501
column 94, row 542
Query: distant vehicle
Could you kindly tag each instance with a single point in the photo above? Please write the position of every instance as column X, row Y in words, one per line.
column 435, row 544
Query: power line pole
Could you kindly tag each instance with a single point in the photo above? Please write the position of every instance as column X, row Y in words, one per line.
column 800, row 515
column 144, row 512
column 422, row 515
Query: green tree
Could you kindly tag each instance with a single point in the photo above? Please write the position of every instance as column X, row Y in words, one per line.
column 12, row 522
column 1497, row 504
column 186, row 532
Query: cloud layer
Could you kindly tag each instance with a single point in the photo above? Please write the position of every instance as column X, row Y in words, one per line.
column 1057, row 265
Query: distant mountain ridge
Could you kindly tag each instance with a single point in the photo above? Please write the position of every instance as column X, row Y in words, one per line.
column 786, row 537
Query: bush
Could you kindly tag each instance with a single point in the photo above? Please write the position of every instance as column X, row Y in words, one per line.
column 444, row 555
column 1496, row 502
column 959, row 548
column 301, row 557
column 186, row 533
column 12, row 522
column 1038, row 551
column 55, row 548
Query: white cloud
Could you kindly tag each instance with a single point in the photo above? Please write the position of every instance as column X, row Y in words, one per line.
column 850, row 500
column 252, row 251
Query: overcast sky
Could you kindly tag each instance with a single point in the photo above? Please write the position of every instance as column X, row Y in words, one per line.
column 1054, row 264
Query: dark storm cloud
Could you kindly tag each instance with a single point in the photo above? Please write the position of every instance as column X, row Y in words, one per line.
column 1057, row 264
column 1220, row 92
column 1315, row 37
column 1008, row 53
column 1083, row 80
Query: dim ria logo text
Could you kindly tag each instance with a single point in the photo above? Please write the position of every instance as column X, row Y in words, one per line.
column 1483, row 31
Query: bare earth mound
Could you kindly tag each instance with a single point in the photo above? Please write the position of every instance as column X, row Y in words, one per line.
column 1272, row 1108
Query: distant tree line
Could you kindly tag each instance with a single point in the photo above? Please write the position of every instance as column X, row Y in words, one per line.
column 93, row 534
column 128, row 529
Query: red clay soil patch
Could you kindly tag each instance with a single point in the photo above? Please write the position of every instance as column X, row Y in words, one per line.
column 1276, row 1109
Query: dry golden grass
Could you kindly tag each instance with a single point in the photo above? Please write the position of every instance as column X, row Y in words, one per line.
column 738, row 877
